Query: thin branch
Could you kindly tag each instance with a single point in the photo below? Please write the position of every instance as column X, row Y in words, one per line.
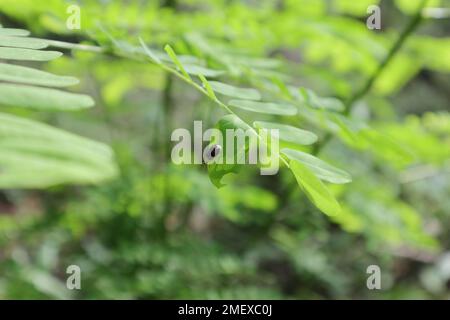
column 76, row 46
column 409, row 28
column 67, row 45
column 398, row 44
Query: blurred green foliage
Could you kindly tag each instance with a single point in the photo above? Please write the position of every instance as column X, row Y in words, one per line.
column 164, row 231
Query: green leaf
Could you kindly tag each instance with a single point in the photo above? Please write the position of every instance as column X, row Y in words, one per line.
column 190, row 60
column 289, row 133
column 386, row 148
column 149, row 52
column 207, row 87
column 314, row 189
column 23, row 42
column 177, row 62
column 14, row 32
column 328, row 103
column 42, row 98
column 207, row 72
column 284, row 90
column 235, row 92
column 264, row 107
column 252, row 62
column 35, row 155
column 217, row 171
column 360, row 136
column 19, row 74
column 28, row 54
column 232, row 121
column 411, row 6
column 319, row 167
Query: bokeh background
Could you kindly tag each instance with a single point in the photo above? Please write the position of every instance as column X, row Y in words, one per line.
column 160, row 231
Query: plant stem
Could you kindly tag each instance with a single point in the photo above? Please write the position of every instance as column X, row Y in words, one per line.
column 407, row 31
column 167, row 106
column 410, row 27
column 75, row 46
